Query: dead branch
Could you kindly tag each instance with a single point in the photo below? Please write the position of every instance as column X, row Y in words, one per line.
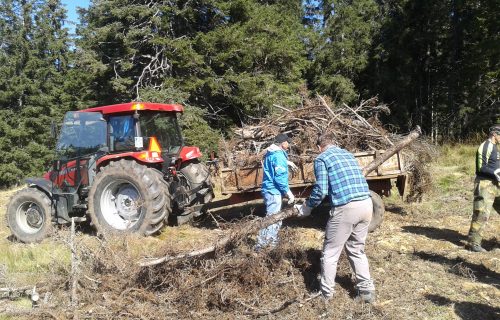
column 74, row 265
column 246, row 229
column 391, row 151
column 14, row 293
column 286, row 304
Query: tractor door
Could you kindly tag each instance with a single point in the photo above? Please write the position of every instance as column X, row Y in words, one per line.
column 82, row 137
column 165, row 128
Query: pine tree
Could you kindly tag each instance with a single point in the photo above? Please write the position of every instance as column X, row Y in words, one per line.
column 437, row 64
column 231, row 59
column 34, row 60
column 347, row 35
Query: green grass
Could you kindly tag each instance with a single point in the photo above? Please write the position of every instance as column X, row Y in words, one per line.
column 453, row 167
column 27, row 263
column 458, row 157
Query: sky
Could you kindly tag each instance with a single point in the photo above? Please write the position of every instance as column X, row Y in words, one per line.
column 70, row 6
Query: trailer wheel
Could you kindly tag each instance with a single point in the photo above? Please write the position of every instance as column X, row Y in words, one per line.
column 127, row 197
column 378, row 211
column 29, row 215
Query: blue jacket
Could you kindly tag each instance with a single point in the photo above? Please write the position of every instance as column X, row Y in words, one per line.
column 275, row 179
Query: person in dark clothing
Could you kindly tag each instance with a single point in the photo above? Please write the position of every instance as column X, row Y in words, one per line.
column 486, row 188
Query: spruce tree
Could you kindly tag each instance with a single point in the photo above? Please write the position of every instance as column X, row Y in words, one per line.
column 34, row 60
column 231, row 59
column 344, row 49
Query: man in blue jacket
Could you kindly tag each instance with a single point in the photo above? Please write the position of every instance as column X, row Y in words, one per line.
column 274, row 186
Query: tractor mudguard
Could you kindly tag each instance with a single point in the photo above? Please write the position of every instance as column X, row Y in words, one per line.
column 190, row 153
column 41, row 183
column 60, row 202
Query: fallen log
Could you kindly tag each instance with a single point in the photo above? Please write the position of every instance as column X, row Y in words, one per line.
column 14, row 293
column 244, row 230
column 254, row 226
column 392, row 150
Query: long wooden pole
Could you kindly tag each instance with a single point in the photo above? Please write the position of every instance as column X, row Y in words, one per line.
column 256, row 225
column 392, row 150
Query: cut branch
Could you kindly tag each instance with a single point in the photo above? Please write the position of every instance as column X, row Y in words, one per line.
column 246, row 229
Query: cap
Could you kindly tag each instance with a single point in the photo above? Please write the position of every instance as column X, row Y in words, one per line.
column 280, row 138
column 495, row 128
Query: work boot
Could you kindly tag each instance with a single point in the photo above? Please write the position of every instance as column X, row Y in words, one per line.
column 366, row 296
column 326, row 296
column 474, row 247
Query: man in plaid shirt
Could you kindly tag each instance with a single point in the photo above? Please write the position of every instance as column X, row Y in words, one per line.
column 339, row 176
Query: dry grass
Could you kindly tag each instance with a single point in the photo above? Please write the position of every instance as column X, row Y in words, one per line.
column 417, row 260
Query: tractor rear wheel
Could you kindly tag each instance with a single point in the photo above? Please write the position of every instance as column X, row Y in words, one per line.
column 127, row 197
column 378, row 211
column 29, row 215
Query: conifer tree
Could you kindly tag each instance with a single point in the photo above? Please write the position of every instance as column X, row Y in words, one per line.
column 344, row 50
column 230, row 59
column 33, row 63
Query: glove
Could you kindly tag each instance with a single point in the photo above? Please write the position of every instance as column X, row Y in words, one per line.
column 293, row 166
column 303, row 210
column 291, row 197
column 497, row 174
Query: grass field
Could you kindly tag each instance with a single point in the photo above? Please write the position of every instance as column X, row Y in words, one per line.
column 417, row 256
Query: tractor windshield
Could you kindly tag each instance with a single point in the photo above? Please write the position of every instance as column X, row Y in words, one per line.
column 164, row 127
column 82, row 133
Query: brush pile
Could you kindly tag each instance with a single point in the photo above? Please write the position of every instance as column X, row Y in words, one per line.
column 240, row 283
column 355, row 129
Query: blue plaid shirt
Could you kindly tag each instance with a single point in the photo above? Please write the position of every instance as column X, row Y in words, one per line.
column 338, row 175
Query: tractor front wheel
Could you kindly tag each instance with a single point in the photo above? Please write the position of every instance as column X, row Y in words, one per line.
column 29, row 215
column 127, row 197
column 378, row 211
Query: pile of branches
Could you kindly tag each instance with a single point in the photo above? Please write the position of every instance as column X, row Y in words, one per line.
column 235, row 283
column 355, row 129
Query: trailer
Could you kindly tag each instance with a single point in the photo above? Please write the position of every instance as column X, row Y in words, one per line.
column 244, row 184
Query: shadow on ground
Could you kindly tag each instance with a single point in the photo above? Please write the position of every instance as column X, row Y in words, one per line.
column 467, row 310
column 312, row 273
column 449, row 235
column 438, row 234
column 463, row 268
column 396, row 209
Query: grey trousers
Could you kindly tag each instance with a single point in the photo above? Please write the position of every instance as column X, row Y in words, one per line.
column 347, row 226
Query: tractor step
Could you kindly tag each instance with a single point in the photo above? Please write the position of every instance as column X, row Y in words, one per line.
column 80, row 219
column 80, row 207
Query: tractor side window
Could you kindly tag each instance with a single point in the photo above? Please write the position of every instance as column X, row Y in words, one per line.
column 164, row 127
column 122, row 132
column 81, row 134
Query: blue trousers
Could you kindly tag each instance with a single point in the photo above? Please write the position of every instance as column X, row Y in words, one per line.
column 269, row 236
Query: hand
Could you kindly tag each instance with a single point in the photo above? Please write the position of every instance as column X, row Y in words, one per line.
column 303, row 210
column 291, row 197
column 497, row 174
column 293, row 166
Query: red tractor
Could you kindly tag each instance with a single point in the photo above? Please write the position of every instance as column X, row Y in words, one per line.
column 123, row 166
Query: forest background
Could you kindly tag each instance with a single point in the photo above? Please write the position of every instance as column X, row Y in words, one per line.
column 435, row 63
